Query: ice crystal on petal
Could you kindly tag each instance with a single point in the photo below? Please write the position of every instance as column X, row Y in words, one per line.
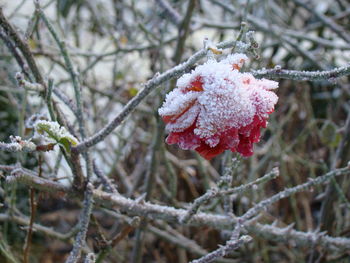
column 216, row 108
column 235, row 60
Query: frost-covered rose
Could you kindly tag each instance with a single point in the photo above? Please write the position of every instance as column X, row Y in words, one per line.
column 216, row 108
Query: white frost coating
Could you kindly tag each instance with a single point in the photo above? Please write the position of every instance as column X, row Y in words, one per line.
column 224, row 106
column 184, row 80
column 237, row 59
column 218, row 97
column 187, row 144
column 185, row 120
column 177, row 101
column 17, row 144
column 54, row 130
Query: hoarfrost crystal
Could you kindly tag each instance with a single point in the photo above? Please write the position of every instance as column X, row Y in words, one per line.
column 54, row 131
column 216, row 108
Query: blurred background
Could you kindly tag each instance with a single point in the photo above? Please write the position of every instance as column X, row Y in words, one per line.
column 116, row 46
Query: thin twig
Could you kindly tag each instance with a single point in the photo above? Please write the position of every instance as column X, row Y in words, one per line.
column 21, row 220
column 326, row 218
column 49, row 101
column 28, row 242
column 29, row 178
column 83, row 224
column 170, row 214
column 74, row 76
column 14, row 52
column 104, row 179
column 76, row 85
column 303, row 75
column 135, row 222
column 212, row 193
column 184, row 28
column 290, row 191
column 224, row 250
column 23, row 46
column 150, row 183
column 18, row 146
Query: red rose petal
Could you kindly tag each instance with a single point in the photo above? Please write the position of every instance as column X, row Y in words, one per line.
column 196, row 85
column 245, row 146
column 186, row 139
column 210, row 152
column 173, row 118
column 226, row 108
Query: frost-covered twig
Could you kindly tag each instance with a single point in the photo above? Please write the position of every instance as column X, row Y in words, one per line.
column 222, row 222
column 28, row 241
column 149, row 184
column 23, row 46
column 230, row 246
column 75, row 81
column 169, row 234
column 84, row 224
column 241, row 221
column 104, row 179
column 241, row 34
column 11, row 47
column 18, row 145
column 182, row 241
column 152, row 211
column 292, row 190
column 29, row 178
column 289, row 74
column 212, row 193
column 74, row 76
column 28, row 85
column 299, row 238
column 64, row 98
column 217, row 221
column 48, row 98
column 302, row 75
column 333, row 190
column 184, row 28
column 301, row 35
column 170, row 214
column 174, row 215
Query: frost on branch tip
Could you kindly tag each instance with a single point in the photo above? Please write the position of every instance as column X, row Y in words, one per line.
column 216, row 108
column 55, row 132
column 18, row 144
